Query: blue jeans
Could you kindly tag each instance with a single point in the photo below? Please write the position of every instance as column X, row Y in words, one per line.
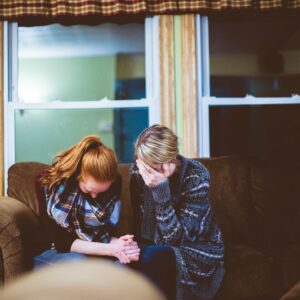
column 158, row 263
column 51, row 257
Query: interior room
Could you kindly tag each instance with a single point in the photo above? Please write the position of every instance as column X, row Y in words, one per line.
column 223, row 76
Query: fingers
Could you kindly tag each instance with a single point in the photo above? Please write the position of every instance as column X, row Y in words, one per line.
column 127, row 257
column 146, row 168
column 123, row 258
column 150, row 176
column 132, row 249
column 128, row 238
column 134, row 257
column 141, row 166
column 167, row 169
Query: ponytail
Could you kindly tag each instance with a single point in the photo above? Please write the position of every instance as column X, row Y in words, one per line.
column 88, row 158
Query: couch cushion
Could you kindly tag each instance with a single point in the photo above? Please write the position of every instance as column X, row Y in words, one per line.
column 290, row 260
column 276, row 198
column 230, row 198
column 21, row 183
column 126, row 223
column 249, row 274
column 293, row 293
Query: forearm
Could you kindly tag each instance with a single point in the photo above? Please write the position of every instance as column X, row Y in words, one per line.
column 170, row 227
column 168, row 222
column 91, row 248
column 175, row 225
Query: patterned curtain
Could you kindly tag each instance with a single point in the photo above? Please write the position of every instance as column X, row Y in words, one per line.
column 16, row 9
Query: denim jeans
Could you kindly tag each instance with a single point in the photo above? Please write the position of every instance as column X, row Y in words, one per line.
column 51, row 257
column 158, row 264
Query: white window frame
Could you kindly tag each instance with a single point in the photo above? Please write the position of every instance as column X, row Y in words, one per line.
column 205, row 101
column 12, row 103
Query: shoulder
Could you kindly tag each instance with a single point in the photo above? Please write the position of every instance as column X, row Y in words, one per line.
column 136, row 180
column 133, row 170
column 59, row 188
column 195, row 172
column 195, row 180
column 134, row 173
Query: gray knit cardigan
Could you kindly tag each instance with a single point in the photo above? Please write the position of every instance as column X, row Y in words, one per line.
column 177, row 213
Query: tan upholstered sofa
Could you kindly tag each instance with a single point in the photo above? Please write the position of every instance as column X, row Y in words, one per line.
column 256, row 205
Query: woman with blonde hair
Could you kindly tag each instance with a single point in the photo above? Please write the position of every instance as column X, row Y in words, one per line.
column 79, row 204
column 173, row 215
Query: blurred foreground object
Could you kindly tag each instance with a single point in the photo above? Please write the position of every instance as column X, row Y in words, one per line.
column 89, row 279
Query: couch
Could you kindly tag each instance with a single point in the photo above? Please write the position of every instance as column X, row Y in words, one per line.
column 257, row 206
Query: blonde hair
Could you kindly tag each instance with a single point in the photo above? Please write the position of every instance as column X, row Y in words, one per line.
column 88, row 158
column 156, row 145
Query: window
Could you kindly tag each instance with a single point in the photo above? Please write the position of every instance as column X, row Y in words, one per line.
column 249, row 84
column 81, row 63
column 262, row 131
column 254, row 57
column 64, row 82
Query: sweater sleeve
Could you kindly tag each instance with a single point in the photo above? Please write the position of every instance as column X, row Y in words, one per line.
column 188, row 220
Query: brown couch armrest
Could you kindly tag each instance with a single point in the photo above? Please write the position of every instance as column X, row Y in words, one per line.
column 20, row 236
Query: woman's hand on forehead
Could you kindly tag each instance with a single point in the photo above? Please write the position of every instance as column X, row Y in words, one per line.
column 147, row 167
column 150, row 176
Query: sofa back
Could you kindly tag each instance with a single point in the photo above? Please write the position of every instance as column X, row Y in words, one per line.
column 275, row 192
column 230, row 197
column 21, row 186
column 253, row 203
column 21, row 183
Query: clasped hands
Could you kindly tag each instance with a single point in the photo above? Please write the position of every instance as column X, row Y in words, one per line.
column 125, row 249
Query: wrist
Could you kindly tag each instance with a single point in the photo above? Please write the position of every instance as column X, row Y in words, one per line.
column 105, row 249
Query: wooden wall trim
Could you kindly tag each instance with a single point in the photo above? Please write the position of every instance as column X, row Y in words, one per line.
column 166, row 50
column 189, row 86
column 1, row 113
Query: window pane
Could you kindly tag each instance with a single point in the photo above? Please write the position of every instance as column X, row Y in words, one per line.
column 269, row 132
column 40, row 134
column 80, row 62
column 254, row 56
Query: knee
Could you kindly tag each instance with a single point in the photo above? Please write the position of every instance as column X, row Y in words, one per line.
column 72, row 256
column 158, row 255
